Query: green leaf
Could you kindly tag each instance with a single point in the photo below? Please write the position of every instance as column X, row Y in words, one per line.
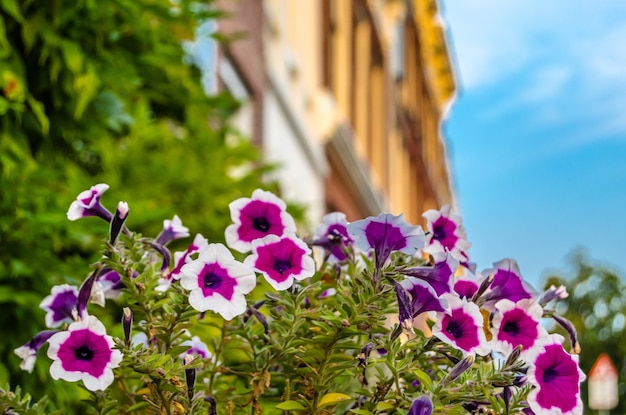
column 361, row 412
column 290, row 406
column 423, row 378
column 332, row 398
column 12, row 8
column 384, row 406
column 40, row 113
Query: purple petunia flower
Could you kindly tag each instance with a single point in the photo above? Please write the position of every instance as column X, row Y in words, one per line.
column 196, row 348
column 516, row 324
column 421, row 406
column 181, row 258
column 556, row 376
column 88, row 204
column 281, row 260
column 384, row 234
column 553, row 293
column 110, row 282
column 332, row 235
column 172, row 229
column 462, row 326
column 218, row 282
column 253, row 218
column 28, row 351
column 60, row 305
column 446, row 233
column 84, row 352
column 507, row 283
column 440, row 275
column 424, row 298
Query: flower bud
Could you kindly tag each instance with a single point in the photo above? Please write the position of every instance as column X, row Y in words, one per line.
column 571, row 330
column 212, row 405
column 117, row 223
column 127, row 324
column 190, row 376
column 458, row 370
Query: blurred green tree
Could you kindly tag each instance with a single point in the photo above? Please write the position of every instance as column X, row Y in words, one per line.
column 597, row 307
column 98, row 91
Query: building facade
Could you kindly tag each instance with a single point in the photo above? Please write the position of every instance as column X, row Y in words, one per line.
column 347, row 97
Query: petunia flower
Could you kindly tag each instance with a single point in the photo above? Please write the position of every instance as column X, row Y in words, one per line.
column 516, row 324
column 88, row 204
column 281, row 260
column 384, row 234
column 556, row 376
column 196, row 348
column 440, row 275
column 110, row 282
column 553, row 293
column 218, row 282
column 421, row 406
column 60, row 305
column 423, row 296
column 28, row 351
column 172, row 229
column 181, row 258
column 253, row 218
column 446, row 233
column 332, row 235
column 461, row 326
column 507, row 283
column 84, row 352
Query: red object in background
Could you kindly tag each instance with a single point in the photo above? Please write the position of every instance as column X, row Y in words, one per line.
column 603, row 384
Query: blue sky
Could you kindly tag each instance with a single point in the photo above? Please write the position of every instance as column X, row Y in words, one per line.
column 537, row 136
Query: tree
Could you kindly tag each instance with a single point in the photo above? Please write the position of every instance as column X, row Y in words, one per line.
column 597, row 307
column 96, row 92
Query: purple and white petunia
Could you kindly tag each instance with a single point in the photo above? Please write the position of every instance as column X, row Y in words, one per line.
column 421, row 406
column 446, row 233
column 332, row 235
column 28, row 351
column 467, row 282
column 423, row 296
column 88, row 204
column 181, row 258
column 516, row 324
column 507, row 283
column 461, row 326
column 172, row 229
column 196, row 348
column 110, row 282
column 60, row 305
column 556, row 376
column 84, row 352
column 218, row 282
column 253, row 218
column 281, row 260
column 440, row 276
column 384, row 234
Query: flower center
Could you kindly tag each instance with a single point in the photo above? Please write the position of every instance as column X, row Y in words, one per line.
column 261, row 224
column 511, row 327
column 549, row 374
column 439, row 233
column 83, row 353
column 281, row 265
column 455, row 329
column 212, row 281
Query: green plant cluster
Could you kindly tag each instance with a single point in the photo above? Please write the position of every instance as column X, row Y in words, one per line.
column 94, row 91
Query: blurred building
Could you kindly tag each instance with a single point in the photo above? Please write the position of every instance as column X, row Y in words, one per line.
column 348, row 97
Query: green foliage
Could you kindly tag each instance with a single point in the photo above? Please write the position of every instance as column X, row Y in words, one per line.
column 597, row 307
column 98, row 91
